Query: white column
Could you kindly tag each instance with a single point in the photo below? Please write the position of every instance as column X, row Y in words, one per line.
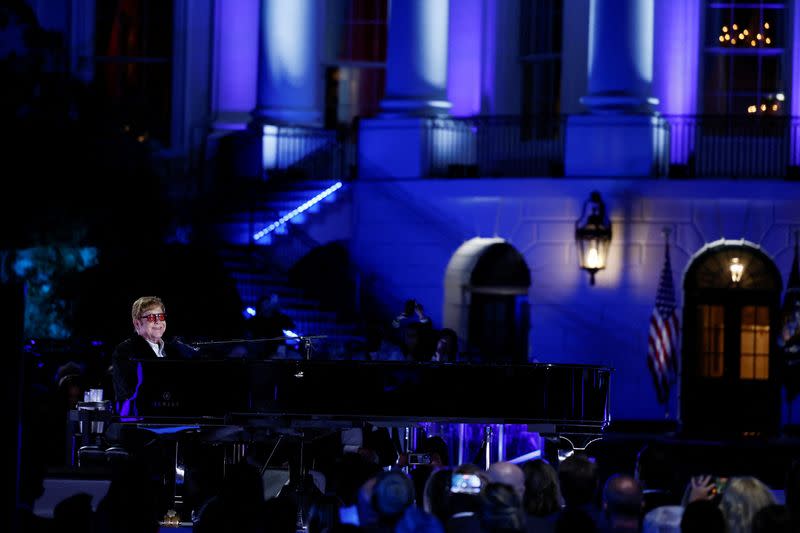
column 416, row 59
column 620, row 55
column 289, row 71
column 396, row 144
column 621, row 135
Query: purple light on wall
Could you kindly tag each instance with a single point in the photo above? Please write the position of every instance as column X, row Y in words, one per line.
column 676, row 58
column 237, row 55
column 464, row 58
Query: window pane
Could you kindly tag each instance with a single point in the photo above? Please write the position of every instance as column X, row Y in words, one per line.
column 354, row 90
column 133, row 66
column 748, row 340
column 744, row 74
column 762, row 368
column 540, row 25
column 540, row 42
column 744, row 55
column 772, row 74
column 365, row 31
column 711, row 328
column 755, row 342
column 746, row 367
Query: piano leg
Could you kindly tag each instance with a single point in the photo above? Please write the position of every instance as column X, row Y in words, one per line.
column 299, row 487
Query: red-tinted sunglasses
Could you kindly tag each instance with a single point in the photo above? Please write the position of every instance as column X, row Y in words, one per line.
column 155, row 317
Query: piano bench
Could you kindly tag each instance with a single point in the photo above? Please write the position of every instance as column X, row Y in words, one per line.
column 116, row 454
column 91, row 456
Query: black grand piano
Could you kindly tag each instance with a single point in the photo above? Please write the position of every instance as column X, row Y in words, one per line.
column 235, row 399
column 550, row 398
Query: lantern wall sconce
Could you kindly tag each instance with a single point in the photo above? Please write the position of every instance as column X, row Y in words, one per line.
column 593, row 235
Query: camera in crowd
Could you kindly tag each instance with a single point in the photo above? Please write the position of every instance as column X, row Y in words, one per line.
column 465, row 484
column 419, row 459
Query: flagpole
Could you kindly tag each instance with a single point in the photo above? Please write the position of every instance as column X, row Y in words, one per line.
column 666, row 231
column 663, row 338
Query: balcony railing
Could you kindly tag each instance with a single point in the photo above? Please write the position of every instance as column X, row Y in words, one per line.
column 301, row 152
column 697, row 146
column 496, row 146
column 746, row 146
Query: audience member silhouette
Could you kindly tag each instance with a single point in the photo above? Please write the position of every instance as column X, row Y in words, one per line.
column 743, row 498
column 132, row 503
column 578, row 480
column 392, row 495
column 465, row 507
column 349, row 475
column 792, row 490
column 378, row 346
column 663, row 519
column 435, row 499
column 542, row 498
column 436, row 448
column 703, row 516
column 446, row 346
column 575, row 520
column 74, row 513
column 657, row 477
column 416, row 521
column 367, row 514
column 281, row 513
column 238, row 506
column 415, row 332
column 71, row 382
column 413, row 312
column 622, row 503
column 501, row 509
column 773, row 518
column 508, row 474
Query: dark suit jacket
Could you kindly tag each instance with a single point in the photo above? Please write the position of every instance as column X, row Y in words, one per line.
column 124, row 368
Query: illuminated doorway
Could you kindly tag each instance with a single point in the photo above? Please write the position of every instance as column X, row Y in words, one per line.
column 729, row 373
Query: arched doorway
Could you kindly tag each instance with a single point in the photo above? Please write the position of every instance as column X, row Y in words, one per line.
column 486, row 300
column 730, row 381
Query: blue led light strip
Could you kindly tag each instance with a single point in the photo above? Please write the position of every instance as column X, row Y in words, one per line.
column 297, row 210
column 535, row 454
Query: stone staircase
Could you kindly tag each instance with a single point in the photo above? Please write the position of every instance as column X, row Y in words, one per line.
column 260, row 268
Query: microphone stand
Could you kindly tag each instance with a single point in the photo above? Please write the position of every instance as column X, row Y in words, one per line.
column 306, row 342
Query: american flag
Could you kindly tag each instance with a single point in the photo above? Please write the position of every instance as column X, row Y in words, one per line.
column 664, row 336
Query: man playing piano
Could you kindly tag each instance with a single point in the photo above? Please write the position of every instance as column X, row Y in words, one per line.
column 149, row 322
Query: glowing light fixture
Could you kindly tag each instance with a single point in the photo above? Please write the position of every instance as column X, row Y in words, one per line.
column 737, row 269
column 297, row 210
column 593, row 235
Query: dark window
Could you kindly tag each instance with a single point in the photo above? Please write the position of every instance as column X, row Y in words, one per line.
column 540, row 54
column 355, row 82
column 133, row 66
